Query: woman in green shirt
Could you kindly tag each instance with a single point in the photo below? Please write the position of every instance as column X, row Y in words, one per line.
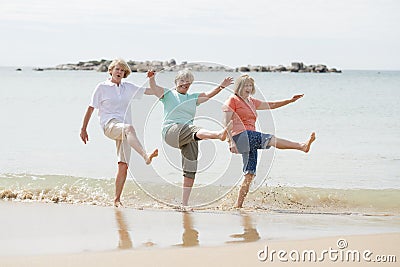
column 178, row 129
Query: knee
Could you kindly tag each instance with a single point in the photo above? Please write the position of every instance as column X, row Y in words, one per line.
column 129, row 130
column 247, row 181
column 189, row 174
column 272, row 142
column 122, row 167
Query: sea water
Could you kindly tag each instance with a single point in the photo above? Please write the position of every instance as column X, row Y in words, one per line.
column 352, row 166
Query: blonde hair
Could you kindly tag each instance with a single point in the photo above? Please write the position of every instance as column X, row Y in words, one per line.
column 240, row 82
column 121, row 63
column 184, row 74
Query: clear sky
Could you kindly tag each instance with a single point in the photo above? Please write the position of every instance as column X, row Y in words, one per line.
column 347, row 34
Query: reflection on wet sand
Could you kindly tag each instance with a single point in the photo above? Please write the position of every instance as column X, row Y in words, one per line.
column 249, row 234
column 190, row 236
column 125, row 241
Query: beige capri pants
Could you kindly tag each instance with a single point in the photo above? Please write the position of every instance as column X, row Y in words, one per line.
column 115, row 130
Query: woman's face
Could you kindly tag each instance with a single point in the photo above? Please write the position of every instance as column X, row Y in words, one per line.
column 117, row 73
column 182, row 85
column 247, row 89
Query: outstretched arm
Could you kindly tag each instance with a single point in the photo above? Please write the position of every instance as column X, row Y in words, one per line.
column 84, row 135
column 278, row 104
column 154, row 89
column 203, row 97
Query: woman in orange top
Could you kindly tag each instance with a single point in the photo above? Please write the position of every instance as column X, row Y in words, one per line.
column 241, row 108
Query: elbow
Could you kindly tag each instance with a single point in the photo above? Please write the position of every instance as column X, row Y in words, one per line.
column 272, row 106
column 207, row 96
column 204, row 99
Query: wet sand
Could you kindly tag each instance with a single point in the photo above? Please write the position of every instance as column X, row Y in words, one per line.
column 39, row 234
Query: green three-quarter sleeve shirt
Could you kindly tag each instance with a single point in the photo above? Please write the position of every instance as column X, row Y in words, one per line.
column 178, row 108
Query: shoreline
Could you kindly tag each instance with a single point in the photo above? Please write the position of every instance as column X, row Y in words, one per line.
column 272, row 198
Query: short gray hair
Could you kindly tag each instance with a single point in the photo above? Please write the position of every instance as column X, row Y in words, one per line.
column 184, row 74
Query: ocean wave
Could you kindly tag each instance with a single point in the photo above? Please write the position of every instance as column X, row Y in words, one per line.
column 81, row 190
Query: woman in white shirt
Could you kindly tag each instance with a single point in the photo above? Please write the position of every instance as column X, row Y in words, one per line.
column 112, row 98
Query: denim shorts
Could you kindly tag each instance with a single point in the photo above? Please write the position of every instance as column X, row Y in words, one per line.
column 247, row 143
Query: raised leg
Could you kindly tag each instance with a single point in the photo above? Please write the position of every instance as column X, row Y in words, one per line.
column 221, row 135
column 286, row 144
column 134, row 142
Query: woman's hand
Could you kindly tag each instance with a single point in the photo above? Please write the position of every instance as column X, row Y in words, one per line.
column 84, row 136
column 150, row 73
column 232, row 147
column 226, row 82
column 296, row 97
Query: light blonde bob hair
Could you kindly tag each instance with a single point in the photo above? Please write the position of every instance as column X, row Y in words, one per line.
column 240, row 82
column 122, row 63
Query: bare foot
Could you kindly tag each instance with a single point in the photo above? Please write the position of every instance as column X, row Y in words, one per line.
column 307, row 145
column 184, row 208
column 149, row 157
column 118, row 204
column 224, row 132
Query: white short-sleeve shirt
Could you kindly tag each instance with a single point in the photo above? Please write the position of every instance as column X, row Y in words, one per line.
column 113, row 101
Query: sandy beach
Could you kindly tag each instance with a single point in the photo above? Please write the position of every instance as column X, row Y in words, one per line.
column 384, row 246
column 45, row 234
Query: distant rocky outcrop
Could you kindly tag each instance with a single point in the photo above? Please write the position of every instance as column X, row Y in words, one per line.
column 294, row 67
column 171, row 65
